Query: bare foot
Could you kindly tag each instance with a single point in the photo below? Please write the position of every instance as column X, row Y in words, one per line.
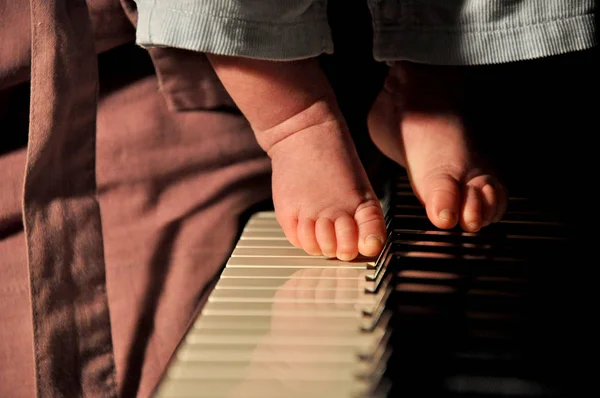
column 322, row 196
column 416, row 122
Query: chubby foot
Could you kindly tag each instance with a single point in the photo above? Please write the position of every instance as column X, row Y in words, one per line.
column 323, row 199
column 416, row 122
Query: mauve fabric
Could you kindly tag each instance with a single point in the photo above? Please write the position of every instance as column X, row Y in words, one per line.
column 71, row 322
column 130, row 199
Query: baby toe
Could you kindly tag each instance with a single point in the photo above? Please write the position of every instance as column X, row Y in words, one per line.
column 493, row 196
column 346, row 238
column 371, row 228
column 307, row 238
column 325, row 234
column 490, row 204
column 471, row 218
column 442, row 200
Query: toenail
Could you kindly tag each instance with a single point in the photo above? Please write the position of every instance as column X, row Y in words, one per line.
column 447, row 215
column 373, row 240
column 473, row 226
column 345, row 257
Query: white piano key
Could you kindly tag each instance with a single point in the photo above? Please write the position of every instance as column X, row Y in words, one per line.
column 367, row 341
column 262, row 222
column 263, row 235
column 292, row 348
column 263, row 371
column 261, row 215
column 266, row 322
column 315, row 284
column 262, row 228
column 329, row 355
column 285, row 309
column 261, row 389
column 278, row 320
column 353, row 330
column 297, row 273
column 365, row 302
column 271, row 252
column 264, row 243
column 293, row 296
column 269, row 353
column 306, row 262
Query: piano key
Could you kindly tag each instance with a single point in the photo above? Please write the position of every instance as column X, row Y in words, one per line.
column 288, row 326
column 263, row 389
column 264, row 243
column 263, row 228
column 299, row 321
column 266, row 322
column 333, row 296
column 329, row 355
column 484, row 238
column 258, row 225
column 285, row 252
column 307, row 262
column 267, row 354
column 504, row 227
column 264, row 215
column 377, row 309
column 487, row 266
column 367, row 306
column 265, row 371
column 380, row 267
column 257, row 221
column 253, row 309
column 273, row 370
column 508, row 386
column 365, row 344
column 364, row 363
column 264, row 235
column 337, row 273
column 285, row 332
column 316, row 283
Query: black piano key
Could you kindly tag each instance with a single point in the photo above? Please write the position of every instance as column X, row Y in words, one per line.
column 475, row 315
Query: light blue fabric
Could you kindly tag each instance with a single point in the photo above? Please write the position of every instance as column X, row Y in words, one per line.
column 457, row 32
column 266, row 29
column 476, row 32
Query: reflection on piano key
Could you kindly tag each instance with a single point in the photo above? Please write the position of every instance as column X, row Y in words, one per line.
column 281, row 323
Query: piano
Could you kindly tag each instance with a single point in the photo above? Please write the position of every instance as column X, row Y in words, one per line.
column 437, row 314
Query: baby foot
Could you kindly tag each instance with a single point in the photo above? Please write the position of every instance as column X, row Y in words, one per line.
column 322, row 197
column 415, row 121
